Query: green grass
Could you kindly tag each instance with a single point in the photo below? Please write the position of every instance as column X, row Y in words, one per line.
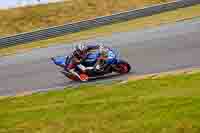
column 30, row 18
column 168, row 104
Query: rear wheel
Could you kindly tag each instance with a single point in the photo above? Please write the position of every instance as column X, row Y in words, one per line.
column 81, row 77
column 84, row 77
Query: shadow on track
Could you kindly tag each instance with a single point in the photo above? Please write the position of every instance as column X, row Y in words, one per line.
column 101, row 80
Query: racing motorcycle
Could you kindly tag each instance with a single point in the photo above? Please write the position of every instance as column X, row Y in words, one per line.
column 116, row 65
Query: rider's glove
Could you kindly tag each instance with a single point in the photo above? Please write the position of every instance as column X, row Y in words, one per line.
column 83, row 68
column 98, row 67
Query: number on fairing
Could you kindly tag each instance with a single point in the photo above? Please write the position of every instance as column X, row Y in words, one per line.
column 111, row 54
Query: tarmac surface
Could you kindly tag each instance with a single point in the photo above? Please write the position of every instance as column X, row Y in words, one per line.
column 158, row 49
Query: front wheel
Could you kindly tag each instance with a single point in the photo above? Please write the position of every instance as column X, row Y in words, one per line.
column 122, row 67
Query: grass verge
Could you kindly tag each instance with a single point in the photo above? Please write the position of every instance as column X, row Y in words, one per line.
column 29, row 18
column 151, row 105
column 146, row 22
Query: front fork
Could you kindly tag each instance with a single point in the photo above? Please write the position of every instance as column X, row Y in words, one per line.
column 115, row 68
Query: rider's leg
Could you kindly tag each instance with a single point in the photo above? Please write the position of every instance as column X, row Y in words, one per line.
column 105, row 65
column 74, row 73
column 99, row 64
column 71, row 68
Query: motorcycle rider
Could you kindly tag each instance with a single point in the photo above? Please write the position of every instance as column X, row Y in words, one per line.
column 80, row 53
column 107, row 56
column 78, row 56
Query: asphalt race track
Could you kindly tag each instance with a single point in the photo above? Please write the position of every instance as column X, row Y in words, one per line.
column 169, row 47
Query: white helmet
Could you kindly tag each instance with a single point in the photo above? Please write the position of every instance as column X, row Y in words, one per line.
column 101, row 45
column 80, row 47
column 102, row 48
